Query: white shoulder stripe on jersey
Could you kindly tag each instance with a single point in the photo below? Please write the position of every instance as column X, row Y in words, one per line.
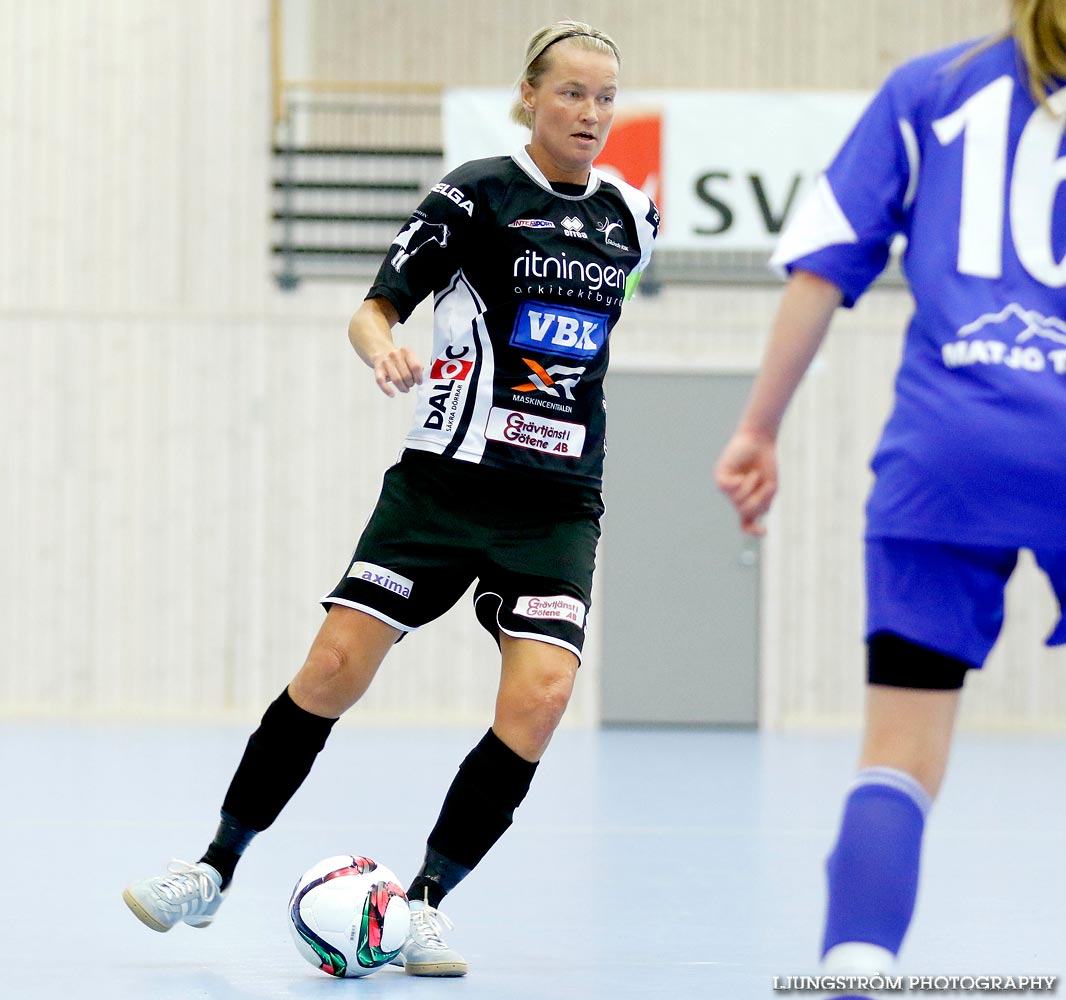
column 457, row 279
column 914, row 160
column 819, row 222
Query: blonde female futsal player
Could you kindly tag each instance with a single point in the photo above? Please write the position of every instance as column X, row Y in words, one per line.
column 529, row 258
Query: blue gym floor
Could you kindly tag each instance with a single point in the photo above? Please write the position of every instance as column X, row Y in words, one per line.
column 645, row 862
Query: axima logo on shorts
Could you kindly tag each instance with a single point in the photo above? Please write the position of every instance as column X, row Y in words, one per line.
column 559, row 330
column 381, row 577
column 558, row 608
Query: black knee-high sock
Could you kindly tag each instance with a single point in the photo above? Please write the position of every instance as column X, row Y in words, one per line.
column 276, row 760
column 226, row 849
column 478, row 809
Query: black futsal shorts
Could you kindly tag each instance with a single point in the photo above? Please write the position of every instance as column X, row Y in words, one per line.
column 441, row 523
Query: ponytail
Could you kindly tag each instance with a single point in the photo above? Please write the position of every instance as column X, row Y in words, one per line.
column 1039, row 29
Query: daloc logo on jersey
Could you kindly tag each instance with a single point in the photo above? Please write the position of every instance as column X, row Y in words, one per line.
column 449, row 369
column 559, row 330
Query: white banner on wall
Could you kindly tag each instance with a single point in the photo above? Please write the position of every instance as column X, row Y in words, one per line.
column 726, row 168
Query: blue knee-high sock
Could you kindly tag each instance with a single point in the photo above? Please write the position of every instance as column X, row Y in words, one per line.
column 873, row 870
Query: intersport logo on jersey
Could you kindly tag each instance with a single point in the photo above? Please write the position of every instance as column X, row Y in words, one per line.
column 556, row 329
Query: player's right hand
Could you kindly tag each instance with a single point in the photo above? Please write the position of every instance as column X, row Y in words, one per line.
column 747, row 474
column 397, row 367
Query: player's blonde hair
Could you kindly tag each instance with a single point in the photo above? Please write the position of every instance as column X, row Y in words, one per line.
column 1039, row 28
column 538, row 60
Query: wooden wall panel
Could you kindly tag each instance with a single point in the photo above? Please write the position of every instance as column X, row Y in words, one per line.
column 728, row 44
column 189, row 453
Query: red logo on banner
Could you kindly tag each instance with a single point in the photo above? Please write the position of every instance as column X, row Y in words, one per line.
column 634, row 152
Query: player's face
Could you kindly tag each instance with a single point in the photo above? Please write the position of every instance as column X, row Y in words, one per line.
column 573, row 106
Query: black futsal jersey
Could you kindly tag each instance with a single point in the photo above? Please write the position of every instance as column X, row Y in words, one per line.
column 527, row 285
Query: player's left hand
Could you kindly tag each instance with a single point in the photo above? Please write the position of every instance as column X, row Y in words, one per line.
column 399, row 367
column 747, row 474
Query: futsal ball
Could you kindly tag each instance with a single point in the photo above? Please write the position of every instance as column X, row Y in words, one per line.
column 348, row 916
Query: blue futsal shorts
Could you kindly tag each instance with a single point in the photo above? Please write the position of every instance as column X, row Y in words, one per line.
column 441, row 523
column 949, row 597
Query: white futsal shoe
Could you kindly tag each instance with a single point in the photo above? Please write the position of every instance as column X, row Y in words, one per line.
column 425, row 952
column 187, row 892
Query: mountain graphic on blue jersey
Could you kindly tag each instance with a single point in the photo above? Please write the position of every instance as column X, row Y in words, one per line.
column 1024, row 324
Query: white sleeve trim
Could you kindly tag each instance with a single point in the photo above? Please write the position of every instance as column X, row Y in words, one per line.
column 819, row 222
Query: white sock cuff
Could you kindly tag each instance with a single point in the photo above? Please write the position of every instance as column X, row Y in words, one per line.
column 858, row 958
column 899, row 780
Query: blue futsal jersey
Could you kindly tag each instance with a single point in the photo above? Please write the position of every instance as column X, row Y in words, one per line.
column 954, row 154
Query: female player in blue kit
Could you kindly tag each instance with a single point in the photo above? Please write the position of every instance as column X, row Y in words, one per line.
column 529, row 258
column 962, row 152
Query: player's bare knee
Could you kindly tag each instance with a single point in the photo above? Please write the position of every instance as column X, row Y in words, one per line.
column 555, row 697
column 542, row 705
column 327, row 663
column 326, row 684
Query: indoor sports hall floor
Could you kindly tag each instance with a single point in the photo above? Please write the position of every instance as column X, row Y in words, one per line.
column 645, row 863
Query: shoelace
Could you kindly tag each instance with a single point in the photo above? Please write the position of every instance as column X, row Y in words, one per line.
column 426, row 926
column 187, row 880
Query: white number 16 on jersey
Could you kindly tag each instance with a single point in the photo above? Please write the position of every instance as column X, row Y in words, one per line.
column 985, row 118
